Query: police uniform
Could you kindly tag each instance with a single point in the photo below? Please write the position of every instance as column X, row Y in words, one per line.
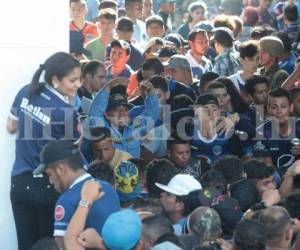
column 40, row 120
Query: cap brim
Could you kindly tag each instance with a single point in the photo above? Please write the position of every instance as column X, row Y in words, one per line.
column 170, row 190
column 40, row 169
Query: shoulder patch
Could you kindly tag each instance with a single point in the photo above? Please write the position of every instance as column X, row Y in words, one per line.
column 59, row 213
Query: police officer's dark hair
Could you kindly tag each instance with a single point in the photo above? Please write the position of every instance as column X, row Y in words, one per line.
column 215, row 179
column 254, row 80
column 59, row 64
column 46, row 243
column 207, row 78
column 174, row 140
column 167, row 52
column 91, row 67
column 256, row 169
column 102, row 171
column 159, row 82
column 294, row 92
column 279, row 92
column 231, row 167
column 160, row 171
column 290, row 13
column 249, row 49
column 155, row 226
column 287, row 43
column 108, row 4
column 125, row 24
column 250, row 235
column 153, row 64
column 170, row 237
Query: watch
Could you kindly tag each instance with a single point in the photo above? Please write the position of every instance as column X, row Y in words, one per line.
column 85, row 203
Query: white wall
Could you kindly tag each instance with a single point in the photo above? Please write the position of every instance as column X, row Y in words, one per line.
column 30, row 31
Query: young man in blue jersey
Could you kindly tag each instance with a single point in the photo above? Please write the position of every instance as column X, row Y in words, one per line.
column 62, row 162
column 275, row 139
column 112, row 112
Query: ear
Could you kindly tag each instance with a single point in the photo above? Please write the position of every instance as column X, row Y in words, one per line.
column 61, row 169
column 289, row 235
column 127, row 58
column 55, row 82
column 291, row 107
column 168, row 153
column 179, row 206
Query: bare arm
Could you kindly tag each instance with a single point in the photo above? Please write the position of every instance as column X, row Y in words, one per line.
column 90, row 192
column 289, row 83
column 286, row 187
column 11, row 125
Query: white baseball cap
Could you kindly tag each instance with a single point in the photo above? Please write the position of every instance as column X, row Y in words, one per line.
column 181, row 184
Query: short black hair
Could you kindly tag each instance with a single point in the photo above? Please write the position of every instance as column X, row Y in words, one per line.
column 91, row 67
column 181, row 101
column 231, row 167
column 284, row 37
column 206, row 78
column 102, row 171
column 214, row 179
column 159, row 82
column 99, row 133
column 175, row 139
column 256, row 169
column 254, row 80
column 290, row 12
column 294, row 92
column 130, row 2
column 47, row 243
column 279, row 92
column 125, row 24
column 153, row 64
column 74, row 162
column 167, row 52
column 249, row 49
column 160, row 171
column 250, row 235
column 108, row 4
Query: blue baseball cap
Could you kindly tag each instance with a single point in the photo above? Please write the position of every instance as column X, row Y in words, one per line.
column 122, row 230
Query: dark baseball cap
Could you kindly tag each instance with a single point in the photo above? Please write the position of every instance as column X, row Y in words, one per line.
column 207, row 98
column 54, row 151
column 174, row 38
column 117, row 100
column 122, row 44
column 208, row 26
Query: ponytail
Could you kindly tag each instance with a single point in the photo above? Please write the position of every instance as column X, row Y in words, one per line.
column 36, row 86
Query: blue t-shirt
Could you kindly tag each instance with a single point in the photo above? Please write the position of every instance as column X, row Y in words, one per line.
column 126, row 73
column 270, row 144
column 47, row 117
column 67, row 203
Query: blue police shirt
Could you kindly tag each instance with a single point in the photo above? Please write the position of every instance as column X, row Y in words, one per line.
column 47, row 117
column 67, row 203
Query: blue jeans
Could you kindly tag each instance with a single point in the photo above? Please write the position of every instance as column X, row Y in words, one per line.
column 33, row 200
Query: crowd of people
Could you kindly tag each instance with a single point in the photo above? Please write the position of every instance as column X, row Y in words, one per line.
column 169, row 125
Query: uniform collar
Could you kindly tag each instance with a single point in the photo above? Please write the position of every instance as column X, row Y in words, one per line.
column 79, row 179
column 55, row 92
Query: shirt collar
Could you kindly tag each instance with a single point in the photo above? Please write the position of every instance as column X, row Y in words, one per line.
column 79, row 179
column 55, row 92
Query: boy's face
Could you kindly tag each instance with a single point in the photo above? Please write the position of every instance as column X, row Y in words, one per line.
column 265, row 184
column 118, row 116
column 223, row 98
column 135, row 10
column 106, row 26
column 260, row 94
column 155, row 30
column 250, row 63
column 104, row 150
column 279, row 107
column 78, row 10
column 200, row 43
column 118, row 57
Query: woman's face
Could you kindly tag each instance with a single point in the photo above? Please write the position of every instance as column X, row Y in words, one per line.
column 198, row 15
column 69, row 84
column 223, row 98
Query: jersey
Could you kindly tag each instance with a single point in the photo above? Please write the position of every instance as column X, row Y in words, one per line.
column 89, row 31
column 270, row 144
column 68, row 202
column 47, row 117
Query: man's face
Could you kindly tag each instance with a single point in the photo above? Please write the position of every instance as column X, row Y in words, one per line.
column 279, row 107
column 98, row 79
column 250, row 64
column 135, row 10
column 147, row 8
column 78, row 11
column 180, row 154
column 170, row 7
column 200, row 44
column 168, row 202
column 118, row 116
column 223, row 98
column 56, row 180
column 104, row 150
column 180, row 75
column 260, row 94
column 265, row 184
column 155, row 30
column 118, row 57
column 264, row 57
column 106, row 26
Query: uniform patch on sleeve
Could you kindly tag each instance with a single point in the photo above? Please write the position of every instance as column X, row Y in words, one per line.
column 59, row 213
